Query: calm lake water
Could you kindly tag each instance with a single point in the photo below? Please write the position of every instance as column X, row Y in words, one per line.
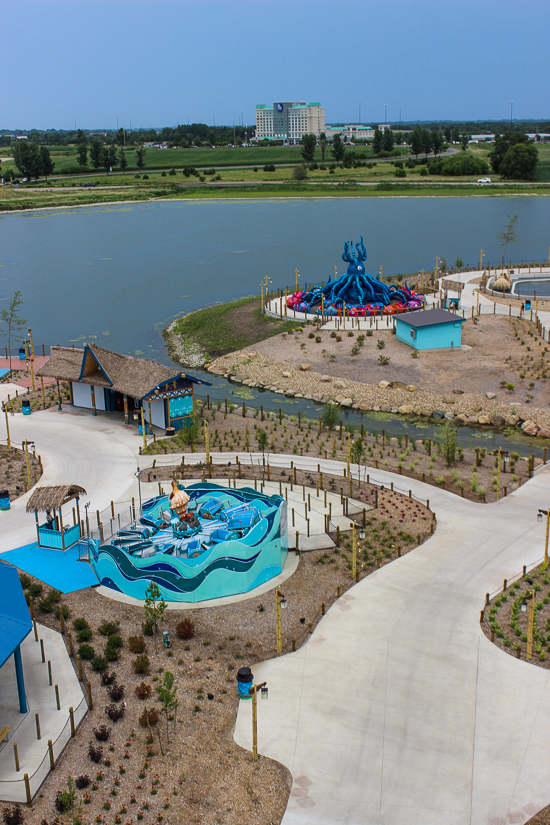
column 117, row 275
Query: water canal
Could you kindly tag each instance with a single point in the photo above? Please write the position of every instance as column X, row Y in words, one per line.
column 118, row 274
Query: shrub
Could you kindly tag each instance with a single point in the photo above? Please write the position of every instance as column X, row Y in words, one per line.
column 13, row 816
column 116, row 692
column 80, row 624
column 95, row 752
column 102, row 733
column 35, row 590
column 99, row 664
column 114, row 640
column 172, row 172
column 148, row 627
column 111, row 653
column 115, row 712
column 108, row 678
column 380, row 344
column 148, row 717
column 63, row 802
column 400, row 173
column 108, row 628
column 82, row 781
column 136, row 644
column 141, row 664
column 185, row 629
column 25, row 580
column 143, row 690
column 86, row 652
column 84, row 635
column 384, row 359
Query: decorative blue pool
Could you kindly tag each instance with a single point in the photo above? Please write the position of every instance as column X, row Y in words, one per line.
column 237, row 541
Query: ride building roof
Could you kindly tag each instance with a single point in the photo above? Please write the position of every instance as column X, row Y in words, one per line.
column 15, row 620
column 429, row 318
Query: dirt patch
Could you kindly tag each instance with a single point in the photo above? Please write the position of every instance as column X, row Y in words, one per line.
column 14, row 476
column 201, row 775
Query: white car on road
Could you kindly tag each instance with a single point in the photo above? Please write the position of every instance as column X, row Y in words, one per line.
column 483, row 180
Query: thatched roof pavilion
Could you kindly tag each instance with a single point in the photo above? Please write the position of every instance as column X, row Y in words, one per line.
column 46, row 499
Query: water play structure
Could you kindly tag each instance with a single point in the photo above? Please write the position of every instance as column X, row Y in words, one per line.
column 202, row 542
column 356, row 292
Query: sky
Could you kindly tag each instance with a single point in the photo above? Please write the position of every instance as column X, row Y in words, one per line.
column 172, row 61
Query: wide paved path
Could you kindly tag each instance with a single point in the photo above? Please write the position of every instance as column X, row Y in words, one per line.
column 399, row 710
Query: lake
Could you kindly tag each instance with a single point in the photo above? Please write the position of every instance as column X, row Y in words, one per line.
column 117, row 275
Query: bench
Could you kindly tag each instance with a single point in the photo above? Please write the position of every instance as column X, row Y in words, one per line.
column 3, row 733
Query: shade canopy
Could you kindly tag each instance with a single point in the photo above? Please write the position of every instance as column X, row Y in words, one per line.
column 15, row 620
column 53, row 498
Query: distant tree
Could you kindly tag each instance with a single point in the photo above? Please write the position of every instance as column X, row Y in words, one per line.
column 503, row 144
column 455, row 134
column 27, row 158
column 447, row 442
column 437, row 141
column 398, row 137
column 13, row 322
column 329, row 415
column 122, row 159
column 388, row 140
column 426, row 141
column 80, row 137
column 82, row 153
column 309, row 142
column 416, row 141
column 112, row 156
column 520, row 162
column 299, row 172
column 357, row 455
column 120, row 137
column 47, row 163
column 140, row 157
column 464, row 141
column 262, row 441
column 378, row 141
column 104, row 158
column 508, row 235
column 323, row 145
column 447, row 133
column 338, row 149
column 95, row 153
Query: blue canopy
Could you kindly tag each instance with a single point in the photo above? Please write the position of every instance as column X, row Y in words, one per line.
column 15, row 620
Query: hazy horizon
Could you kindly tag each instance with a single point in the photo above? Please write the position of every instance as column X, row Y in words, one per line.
column 178, row 61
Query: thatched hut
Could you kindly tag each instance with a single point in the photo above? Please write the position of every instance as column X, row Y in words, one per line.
column 53, row 533
column 101, row 379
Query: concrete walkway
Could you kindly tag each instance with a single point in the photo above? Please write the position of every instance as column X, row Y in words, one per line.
column 399, row 710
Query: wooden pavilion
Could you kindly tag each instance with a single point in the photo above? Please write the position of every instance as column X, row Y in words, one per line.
column 51, row 500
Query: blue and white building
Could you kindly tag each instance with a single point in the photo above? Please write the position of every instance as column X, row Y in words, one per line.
column 429, row 329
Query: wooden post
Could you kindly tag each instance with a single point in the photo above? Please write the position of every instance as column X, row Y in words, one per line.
column 42, row 650
column 50, row 680
column 37, row 722
column 52, row 760
column 28, row 790
column 58, row 703
column 35, row 630
column 71, row 718
column 89, row 692
column 293, row 645
column 70, row 643
column 79, row 667
column 16, row 757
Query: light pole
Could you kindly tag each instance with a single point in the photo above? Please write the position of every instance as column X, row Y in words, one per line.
column 280, row 602
column 531, row 625
column 32, row 357
column 385, row 113
column 7, row 425
column 207, row 443
column 511, row 110
column 262, row 687
column 540, row 514
column 481, row 254
column 354, row 552
column 297, row 274
column 348, row 453
column 86, row 507
column 138, row 476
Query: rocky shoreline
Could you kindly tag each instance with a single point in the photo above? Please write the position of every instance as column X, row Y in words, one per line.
column 254, row 369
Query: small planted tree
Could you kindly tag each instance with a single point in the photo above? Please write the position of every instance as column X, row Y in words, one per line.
column 446, row 442
column 154, row 606
column 14, row 323
column 166, row 691
column 329, row 415
column 357, row 455
column 262, row 440
column 508, row 235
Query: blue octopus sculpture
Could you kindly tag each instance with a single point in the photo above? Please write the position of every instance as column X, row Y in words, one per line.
column 359, row 292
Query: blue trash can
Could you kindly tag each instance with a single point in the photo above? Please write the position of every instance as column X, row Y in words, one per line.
column 245, row 680
column 26, row 406
column 5, row 500
column 22, row 354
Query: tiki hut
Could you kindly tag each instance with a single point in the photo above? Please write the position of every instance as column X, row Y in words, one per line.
column 52, row 533
column 100, row 379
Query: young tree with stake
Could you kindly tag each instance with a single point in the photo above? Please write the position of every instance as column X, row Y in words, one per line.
column 13, row 322
column 154, row 607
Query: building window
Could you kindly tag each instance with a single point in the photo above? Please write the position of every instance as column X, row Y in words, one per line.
column 413, row 333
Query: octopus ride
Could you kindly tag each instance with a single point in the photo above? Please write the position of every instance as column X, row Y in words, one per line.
column 356, row 293
column 200, row 542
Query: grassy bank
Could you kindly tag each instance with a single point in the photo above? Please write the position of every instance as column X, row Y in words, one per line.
column 224, row 328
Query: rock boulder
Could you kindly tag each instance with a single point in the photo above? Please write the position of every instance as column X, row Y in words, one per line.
column 384, row 385
column 305, row 367
column 530, row 427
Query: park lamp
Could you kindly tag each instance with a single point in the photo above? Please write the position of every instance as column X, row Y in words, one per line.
column 282, row 601
column 524, row 606
column 362, row 533
column 541, row 513
column 264, row 691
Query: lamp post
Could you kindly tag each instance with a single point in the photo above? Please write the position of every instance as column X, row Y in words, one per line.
column 498, row 475
column 138, row 476
column 32, row 357
column 280, row 603
column 26, row 448
column 530, row 625
column 262, row 295
column 262, row 687
column 7, row 425
column 540, row 514
column 481, row 255
column 86, row 507
column 207, row 442
column 354, row 552
column 348, row 453
column 297, row 274
column 143, row 430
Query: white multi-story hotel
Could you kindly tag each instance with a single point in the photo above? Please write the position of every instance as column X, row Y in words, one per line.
column 289, row 121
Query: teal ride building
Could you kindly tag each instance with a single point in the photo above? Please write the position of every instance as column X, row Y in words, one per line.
column 430, row 329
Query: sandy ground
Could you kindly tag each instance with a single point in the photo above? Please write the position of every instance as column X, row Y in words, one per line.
column 496, row 355
column 200, row 775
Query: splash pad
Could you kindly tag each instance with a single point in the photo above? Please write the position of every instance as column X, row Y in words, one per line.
column 356, row 293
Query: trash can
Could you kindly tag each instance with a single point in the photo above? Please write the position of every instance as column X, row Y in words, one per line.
column 26, row 406
column 170, row 431
column 22, row 354
column 245, row 680
column 527, row 305
column 5, row 500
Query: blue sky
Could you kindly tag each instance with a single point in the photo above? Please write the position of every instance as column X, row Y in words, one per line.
column 164, row 62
